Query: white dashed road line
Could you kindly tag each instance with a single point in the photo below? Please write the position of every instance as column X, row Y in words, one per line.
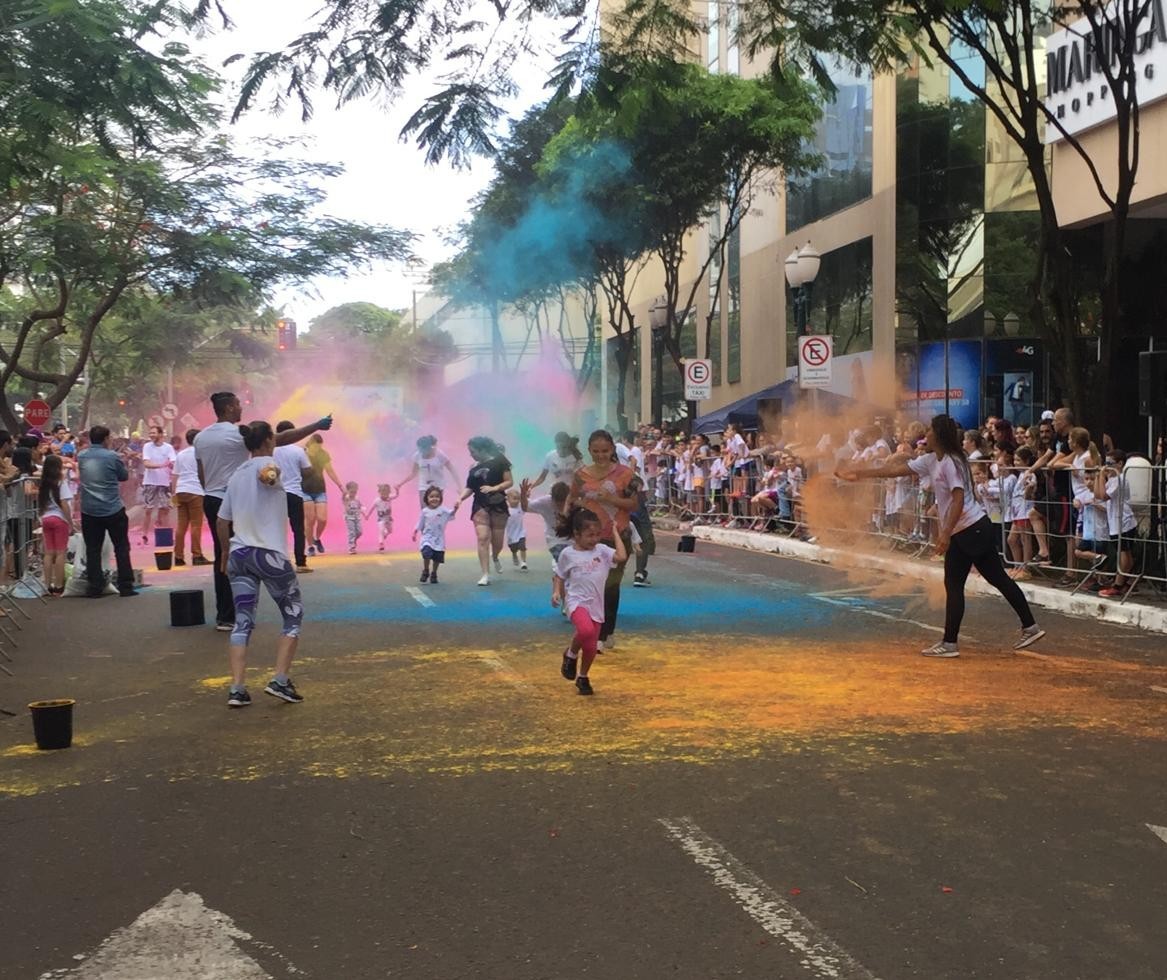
column 504, row 672
column 420, row 597
column 1160, row 832
column 817, row 952
column 856, row 607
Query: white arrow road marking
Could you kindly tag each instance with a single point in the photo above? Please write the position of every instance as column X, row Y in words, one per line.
column 420, row 597
column 1158, row 690
column 178, row 939
column 505, row 672
column 818, row 952
column 856, row 606
column 1160, row 832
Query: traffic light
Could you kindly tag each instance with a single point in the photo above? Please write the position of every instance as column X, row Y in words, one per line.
column 285, row 335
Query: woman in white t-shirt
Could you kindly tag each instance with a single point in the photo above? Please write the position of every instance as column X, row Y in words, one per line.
column 252, row 526
column 562, row 462
column 966, row 537
column 53, row 501
column 430, row 466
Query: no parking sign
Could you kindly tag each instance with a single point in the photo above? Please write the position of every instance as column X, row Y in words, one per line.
column 698, row 379
column 814, row 361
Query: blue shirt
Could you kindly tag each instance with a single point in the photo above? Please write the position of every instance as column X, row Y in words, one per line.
column 101, row 472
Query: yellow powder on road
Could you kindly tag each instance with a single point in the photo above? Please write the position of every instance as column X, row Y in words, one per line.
column 423, row 710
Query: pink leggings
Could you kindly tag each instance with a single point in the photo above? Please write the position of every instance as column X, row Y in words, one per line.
column 587, row 632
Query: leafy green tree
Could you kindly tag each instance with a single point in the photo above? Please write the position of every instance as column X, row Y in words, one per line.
column 114, row 186
column 356, row 320
column 695, row 142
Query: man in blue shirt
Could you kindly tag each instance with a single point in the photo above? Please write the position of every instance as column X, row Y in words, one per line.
column 102, row 512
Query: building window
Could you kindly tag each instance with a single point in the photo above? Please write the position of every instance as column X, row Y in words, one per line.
column 843, row 141
column 840, row 302
column 714, row 36
column 733, row 364
column 733, row 58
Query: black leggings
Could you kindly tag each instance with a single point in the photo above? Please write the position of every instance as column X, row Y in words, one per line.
column 612, row 589
column 976, row 546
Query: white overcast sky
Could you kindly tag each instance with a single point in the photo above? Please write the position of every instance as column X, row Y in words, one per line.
column 385, row 181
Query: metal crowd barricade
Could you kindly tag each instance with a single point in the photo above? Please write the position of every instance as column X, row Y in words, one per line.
column 22, row 561
column 910, row 524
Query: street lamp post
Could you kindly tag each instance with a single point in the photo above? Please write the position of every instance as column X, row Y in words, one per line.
column 658, row 318
column 802, row 267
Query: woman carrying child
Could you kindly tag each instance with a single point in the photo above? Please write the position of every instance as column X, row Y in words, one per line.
column 580, row 581
column 252, row 526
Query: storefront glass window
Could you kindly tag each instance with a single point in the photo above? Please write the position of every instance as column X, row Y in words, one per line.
column 843, row 141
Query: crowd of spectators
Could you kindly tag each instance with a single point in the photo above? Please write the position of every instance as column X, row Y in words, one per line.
column 1063, row 500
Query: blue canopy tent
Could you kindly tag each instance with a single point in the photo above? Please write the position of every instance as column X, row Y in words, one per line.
column 744, row 413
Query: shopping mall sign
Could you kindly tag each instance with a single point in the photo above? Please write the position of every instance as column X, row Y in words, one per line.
column 1077, row 91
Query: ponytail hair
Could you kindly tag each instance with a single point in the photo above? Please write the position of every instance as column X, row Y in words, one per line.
column 948, row 438
column 574, row 521
column 50, row 488
column 256, row 434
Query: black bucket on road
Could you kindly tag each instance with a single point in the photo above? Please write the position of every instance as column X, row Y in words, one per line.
column 687, row 543
column 52, row 723
column 186, row 608
column 164, row 560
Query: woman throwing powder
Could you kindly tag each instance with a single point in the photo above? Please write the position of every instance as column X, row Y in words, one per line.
column 966, row 537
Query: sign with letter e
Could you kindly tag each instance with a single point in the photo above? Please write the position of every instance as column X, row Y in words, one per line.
column 698, row 379
column 815, row 354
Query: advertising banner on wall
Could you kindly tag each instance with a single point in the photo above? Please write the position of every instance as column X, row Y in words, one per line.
column 921, row 375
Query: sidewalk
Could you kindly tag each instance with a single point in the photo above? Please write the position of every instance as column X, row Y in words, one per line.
column 1143, row 615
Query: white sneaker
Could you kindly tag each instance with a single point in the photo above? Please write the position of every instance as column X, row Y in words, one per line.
column 599, row 646
column 1029, row 636
column 523, row 567
column 942, row 649
column 485, row 580
column 497, row 567
column 610, row 643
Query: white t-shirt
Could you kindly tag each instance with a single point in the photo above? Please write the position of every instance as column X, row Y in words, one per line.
column 717, row 473
column 738, row 450
column 1081, row 483
column 431, row 522
column 259, row 512
column 561, row 469
column 1120, row 518
column 430, row 471
column 157, row 476
column 946, row 477
column 545, row 508
column 52, row 510
column 1020, row 505
column 292, row 461
column 220, row 449
column 584, row 574
column 515, row 532
column 186, row 469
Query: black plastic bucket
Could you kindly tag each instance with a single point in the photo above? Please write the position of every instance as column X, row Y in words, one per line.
column 163, row 560
column 186, row 608
column 52, row 723
column 686, row 544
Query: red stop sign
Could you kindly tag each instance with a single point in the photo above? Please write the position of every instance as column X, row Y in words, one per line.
column 38, row 414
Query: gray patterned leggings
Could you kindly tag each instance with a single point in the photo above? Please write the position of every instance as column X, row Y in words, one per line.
column 246, row 568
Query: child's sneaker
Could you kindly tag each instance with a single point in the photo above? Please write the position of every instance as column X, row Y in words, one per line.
column 583, row 685
column 238, row 699
column 569, row 666
column 522, row 566
column 425, row 577
column 434, row 579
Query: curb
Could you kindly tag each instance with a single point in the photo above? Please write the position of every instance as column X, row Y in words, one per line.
column 1139, row 615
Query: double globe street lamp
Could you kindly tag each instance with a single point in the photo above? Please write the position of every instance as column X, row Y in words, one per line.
column 802, row 266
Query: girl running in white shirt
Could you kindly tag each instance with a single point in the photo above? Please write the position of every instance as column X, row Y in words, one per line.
column 580, row 575
column 431, row 525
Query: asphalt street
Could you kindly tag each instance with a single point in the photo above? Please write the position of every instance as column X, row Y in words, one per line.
column 770, row 782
